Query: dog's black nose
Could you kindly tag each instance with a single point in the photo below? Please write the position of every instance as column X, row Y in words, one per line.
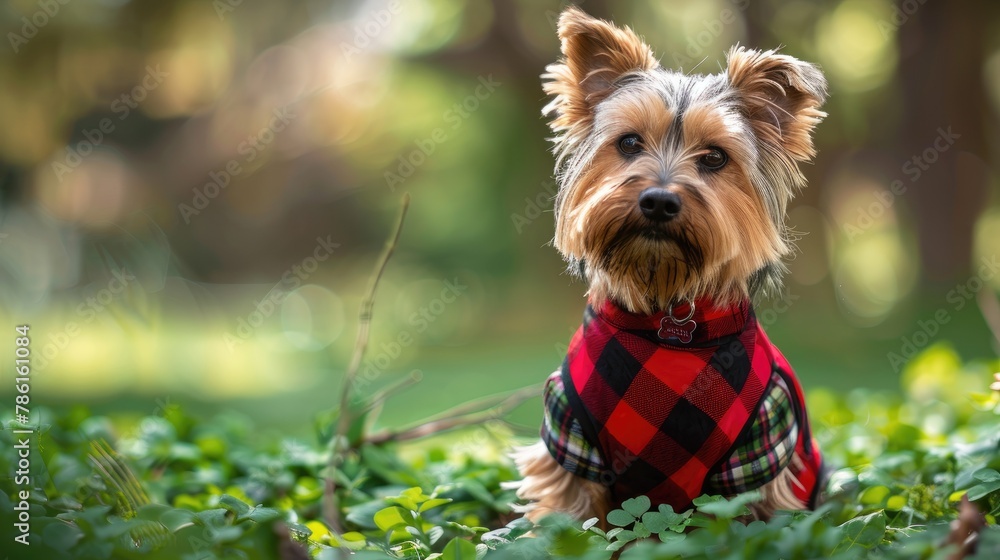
column 659, row 204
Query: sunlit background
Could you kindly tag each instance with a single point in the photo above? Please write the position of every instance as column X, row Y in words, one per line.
column 194, row 193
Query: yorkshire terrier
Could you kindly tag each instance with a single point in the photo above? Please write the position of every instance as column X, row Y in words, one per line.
column 672, row 195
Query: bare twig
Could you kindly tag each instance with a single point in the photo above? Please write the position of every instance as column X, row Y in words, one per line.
column 503, row 400
column 457, row 417
column 331, row 512
column 378, row 398
column 393, row 388
column 430, row 428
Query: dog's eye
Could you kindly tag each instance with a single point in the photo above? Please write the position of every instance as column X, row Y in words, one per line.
column 714, row 160
column 630, row 144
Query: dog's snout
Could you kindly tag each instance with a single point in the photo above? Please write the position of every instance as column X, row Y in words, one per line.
column 659, row 204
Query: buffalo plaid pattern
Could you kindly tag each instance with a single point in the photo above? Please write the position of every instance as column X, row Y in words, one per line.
column 651, row 417
column 766, row 449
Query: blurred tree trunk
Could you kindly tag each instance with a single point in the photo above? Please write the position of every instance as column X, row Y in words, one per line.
column 942, row 49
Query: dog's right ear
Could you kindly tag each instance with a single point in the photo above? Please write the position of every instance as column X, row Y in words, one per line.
column 781, row 96
column 595, row 54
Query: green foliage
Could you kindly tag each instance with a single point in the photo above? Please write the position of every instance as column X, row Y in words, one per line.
column 188, row 489
column 636, row 521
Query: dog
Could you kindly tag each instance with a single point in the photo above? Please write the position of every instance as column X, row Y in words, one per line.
column 673, row 190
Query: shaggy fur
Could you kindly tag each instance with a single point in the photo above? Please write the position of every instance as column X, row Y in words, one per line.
column 728, row 242
column 761, row 112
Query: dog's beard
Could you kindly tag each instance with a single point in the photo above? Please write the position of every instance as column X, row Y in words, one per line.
column 649, row 246
column 647, row 266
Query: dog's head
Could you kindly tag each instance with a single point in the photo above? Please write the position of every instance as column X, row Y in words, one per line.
column 675, row 186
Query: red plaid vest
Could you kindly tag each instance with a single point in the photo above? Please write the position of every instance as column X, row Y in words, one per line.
column 666, row 401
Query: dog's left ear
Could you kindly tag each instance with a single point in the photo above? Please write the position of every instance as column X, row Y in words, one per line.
column 782, row 96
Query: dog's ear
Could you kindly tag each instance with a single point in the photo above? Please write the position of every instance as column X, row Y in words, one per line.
column 782, row 97
column 595, row 54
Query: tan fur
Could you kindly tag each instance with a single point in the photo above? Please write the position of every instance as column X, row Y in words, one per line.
column 738, row 240
column 778, row 494
column 596, row 53
column 735, row 228
column 783, row 98
column 729, row 237
column 548, row 488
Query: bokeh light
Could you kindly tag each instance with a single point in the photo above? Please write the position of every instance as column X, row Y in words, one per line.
column 855, row 44
column 312, row 317
column 201, row 189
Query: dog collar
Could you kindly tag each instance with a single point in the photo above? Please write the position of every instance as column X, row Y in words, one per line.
column 685, row 323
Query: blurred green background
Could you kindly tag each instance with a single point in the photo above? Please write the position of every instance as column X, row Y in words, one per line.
column 194, row 193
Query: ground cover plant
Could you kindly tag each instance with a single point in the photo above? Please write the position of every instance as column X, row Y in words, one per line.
column 916, row 474
column 174, row 486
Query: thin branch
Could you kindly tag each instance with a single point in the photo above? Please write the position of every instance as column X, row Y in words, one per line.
column 395, row 387
column 522, row 429
column 332, row 514
column 365, row 316
column 457, row 417
column 431, row 428
column 378, row 398
column 493, row 401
